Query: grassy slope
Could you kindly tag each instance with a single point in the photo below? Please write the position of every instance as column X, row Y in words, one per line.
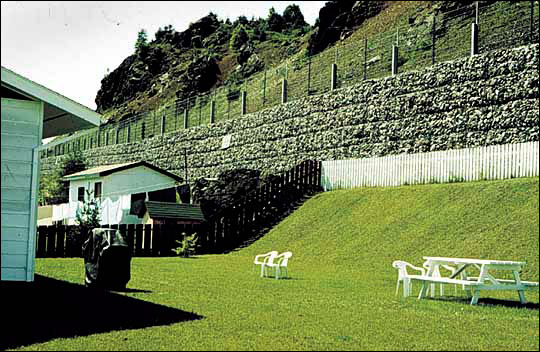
column 496, row 219
column 341, row 295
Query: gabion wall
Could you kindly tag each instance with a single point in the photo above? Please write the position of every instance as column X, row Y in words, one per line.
column 478, row 101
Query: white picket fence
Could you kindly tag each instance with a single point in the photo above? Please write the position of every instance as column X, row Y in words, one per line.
column 460, row 165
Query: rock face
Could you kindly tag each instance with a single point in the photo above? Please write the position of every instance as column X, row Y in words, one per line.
column 338, row 18
column 140, row 73
column 482, row 100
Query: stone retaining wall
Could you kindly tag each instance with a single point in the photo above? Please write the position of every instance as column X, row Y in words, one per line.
column 478, row 101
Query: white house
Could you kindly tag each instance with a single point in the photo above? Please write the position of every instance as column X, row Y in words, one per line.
column 119, row 188
column 30, row 112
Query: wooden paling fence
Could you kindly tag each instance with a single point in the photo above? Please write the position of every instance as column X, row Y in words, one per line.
column 460, row 165
column 224, row 231
column 259, row 209
column 143, row 240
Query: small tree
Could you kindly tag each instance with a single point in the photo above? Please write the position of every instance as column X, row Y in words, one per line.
column 275, row 21
column 293, row 17
column 142, row 40
column 239, row 37
column 188, row 245
column 88, row 215
column 52, row 190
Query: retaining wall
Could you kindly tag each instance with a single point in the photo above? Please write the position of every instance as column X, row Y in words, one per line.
column 483, row 100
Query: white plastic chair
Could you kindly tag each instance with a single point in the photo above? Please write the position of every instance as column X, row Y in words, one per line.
column 437, row 273
column 267, row 257
column 403, row 276
column 281, row 263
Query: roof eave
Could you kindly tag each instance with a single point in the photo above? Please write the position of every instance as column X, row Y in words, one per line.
column 81, row 115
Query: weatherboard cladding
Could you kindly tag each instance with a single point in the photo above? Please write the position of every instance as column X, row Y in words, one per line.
column 177, row 211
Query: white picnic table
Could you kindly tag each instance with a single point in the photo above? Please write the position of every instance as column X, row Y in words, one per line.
column 485, row 281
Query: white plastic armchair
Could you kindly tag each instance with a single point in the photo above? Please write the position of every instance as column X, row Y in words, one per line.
column 263, row 259
column 437, row 273
column 404, row 276
column 280, row 264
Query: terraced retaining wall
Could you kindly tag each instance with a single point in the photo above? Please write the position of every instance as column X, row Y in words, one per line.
column 478, row 101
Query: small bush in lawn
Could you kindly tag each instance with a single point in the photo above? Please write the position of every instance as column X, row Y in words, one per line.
column 188, row 245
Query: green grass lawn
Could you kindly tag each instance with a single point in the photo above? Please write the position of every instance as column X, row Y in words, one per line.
column 341, row 292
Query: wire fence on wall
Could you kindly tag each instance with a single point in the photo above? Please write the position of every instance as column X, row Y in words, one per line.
column 445, row 36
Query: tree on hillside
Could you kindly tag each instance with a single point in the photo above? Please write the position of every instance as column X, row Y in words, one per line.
column 293, row 17
column 165, row 34
column 142, row 39
column 239, row 37
column 241, row 20
column 275, row 21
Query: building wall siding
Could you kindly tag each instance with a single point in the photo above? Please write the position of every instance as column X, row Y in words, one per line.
column 21, row 132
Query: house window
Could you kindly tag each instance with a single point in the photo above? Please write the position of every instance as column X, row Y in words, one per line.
column 80, row 194
column 97, row 190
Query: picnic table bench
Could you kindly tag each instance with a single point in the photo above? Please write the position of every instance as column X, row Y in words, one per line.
column 485, row 281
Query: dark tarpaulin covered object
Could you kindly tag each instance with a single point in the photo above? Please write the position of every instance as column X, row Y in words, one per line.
column 107, row 259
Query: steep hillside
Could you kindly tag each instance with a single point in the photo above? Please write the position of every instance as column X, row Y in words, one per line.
column 213, row 52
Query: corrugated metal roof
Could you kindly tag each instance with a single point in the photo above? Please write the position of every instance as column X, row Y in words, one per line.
column 174, row 211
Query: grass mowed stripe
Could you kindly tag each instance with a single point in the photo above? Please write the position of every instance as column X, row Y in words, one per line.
column 341, row 292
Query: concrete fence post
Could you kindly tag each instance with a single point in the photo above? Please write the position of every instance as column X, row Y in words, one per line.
column 474, row 39
column 334, row 77
column 474, row 30
column 531, row 25
column 365, row 58
column 433, row 38
column 244, row 102
column 186, row 117
column 395, row 55
column 212, row 112
column 162, row 130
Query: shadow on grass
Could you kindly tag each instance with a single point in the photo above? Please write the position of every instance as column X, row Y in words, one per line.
column 131, row 290
column 491, row 302
column 46, row 309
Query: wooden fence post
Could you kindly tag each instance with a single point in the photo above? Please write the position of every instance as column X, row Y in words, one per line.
column 51, row 240
column 147, row 250
column 60, row 240
column 41, row 249
column 156, row 240
column 138, row 240
column 130, row 237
